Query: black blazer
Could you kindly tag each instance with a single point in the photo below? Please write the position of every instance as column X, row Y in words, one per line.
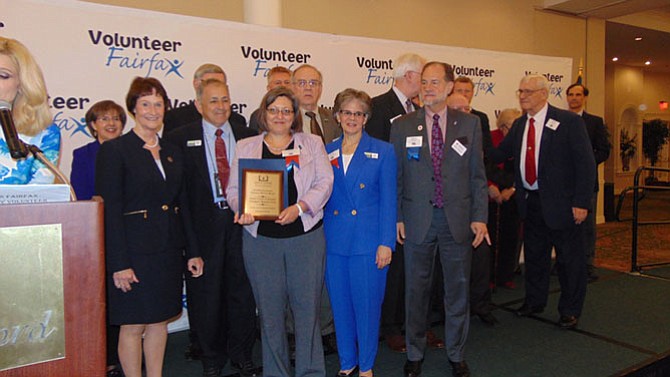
column 599, row 137
column 180, row 116
column 144, row 213
column 198, row 183
column 566, row 168
column 384, row 108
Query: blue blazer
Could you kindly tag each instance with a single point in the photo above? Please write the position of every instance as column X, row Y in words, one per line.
column 361, row 212
column 82, row 175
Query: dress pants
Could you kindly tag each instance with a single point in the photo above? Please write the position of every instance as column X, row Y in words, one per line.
column 287, row 274
column 225, row 315
column 393, row 307
column 589, row 226
column 356, row 288
column 570, row 261
column 504, row 229
column 480, row 278
column 419, row 260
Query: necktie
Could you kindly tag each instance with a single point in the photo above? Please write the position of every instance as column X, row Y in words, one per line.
column 314, row 126
column 221, row 160
column 531, row 171
column 408, row 106
column 437, row 146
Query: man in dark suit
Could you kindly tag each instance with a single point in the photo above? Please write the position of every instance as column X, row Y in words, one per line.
column 277, row 76
column 480, row 278
column 554, row 182
column 179, row 116
column 225, row 313
column 386, row 108
column 442, row 202
column 599, row 137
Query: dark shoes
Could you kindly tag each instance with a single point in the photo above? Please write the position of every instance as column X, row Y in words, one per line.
column 433, row 341
column 115, row 372
column 412, row 368
column 568, row 322
column 526, row 310
column 396, row 343
column 459, row 369
column 211, row 371
column 351, row 373
column 247, row 369
column 329, row 344
column 592, row 275
column 488, row 318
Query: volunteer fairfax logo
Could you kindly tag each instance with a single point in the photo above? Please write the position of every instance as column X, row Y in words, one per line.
column 378, row 72
column 71, row 124
column 555, row 82
column 480, row 76
column 264, row 60
column 139, row 53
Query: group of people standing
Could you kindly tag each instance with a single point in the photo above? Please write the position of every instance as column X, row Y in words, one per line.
column 415, row 184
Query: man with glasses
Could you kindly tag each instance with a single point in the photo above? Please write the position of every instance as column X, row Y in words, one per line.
column 277, row 76
column 307, row 85
column 554, row 185
column 443, row 208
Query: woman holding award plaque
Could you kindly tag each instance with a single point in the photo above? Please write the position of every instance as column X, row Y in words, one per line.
column 285, row 257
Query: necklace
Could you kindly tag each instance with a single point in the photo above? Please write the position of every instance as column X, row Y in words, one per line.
column 277, row 150
column 152, row 145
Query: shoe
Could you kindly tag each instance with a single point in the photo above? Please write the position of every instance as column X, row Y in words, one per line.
column 568, row 322
column 459, row 369
column 345, row 374
column 488, row 318
column 592, row 275
column 433, row 341
column 329, row 344
column 116, row 371
column 247, row 369
column 526, row 310
column 396, row 343
column 192, row 352
column 211, row 371
column 412, row 368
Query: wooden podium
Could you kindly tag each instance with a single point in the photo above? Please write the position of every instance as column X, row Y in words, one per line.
column 83, row 285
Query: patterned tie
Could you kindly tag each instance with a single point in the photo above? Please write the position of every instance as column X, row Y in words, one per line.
column 436, row 147
column 221, row 160
column 531, row 173
column 314, row 126
column 408, row 106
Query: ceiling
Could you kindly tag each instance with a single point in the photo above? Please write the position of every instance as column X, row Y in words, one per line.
column 620, row 37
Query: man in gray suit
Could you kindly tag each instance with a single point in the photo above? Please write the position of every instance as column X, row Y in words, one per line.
column 307, row 85
column 442, row 202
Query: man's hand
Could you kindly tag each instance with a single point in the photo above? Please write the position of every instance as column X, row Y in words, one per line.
column 481, row 233
column 400, row 233
column 579, row 214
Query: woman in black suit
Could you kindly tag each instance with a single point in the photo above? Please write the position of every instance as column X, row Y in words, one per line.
column 146, row 224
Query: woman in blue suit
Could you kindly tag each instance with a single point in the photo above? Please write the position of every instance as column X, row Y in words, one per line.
column 360, row 226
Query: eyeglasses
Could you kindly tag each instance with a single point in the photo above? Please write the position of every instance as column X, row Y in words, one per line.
column 275, row 111
column 107, row 118
column 526, row 92
column 355, row 114
column 310, row 83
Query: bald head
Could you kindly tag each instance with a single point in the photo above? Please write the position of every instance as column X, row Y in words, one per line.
column 458, row 102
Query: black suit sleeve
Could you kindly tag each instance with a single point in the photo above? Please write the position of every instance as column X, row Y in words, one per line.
column 600, row 140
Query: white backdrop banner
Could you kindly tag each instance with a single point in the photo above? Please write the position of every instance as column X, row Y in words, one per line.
column 91, row 52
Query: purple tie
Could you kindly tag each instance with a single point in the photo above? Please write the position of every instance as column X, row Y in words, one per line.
column 408, row 106
column 436, row 151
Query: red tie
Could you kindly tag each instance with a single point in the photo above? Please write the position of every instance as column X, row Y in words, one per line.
column 221, row 160
column 531, row 175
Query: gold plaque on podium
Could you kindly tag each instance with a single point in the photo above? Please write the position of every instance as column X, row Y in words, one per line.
column 32, row 324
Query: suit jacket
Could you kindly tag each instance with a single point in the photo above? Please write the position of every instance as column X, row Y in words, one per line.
column 331, row 130
column 566, row 167
column 198, row 178
column 384, row 108
column 179, row 116
column 144, row 213
column 464, row 179
column 599, row 138
column 82, row 175
column 361, row 212
column 313, row 178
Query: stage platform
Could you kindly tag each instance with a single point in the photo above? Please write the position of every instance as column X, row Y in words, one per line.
column 624, row 331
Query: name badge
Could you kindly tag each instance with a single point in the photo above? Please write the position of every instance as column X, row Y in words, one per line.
column 290, row 152
column 459, row 148
column 552, row 124
column 334, row 155
column 372, row 155
column 193, row 143
column 413, row 141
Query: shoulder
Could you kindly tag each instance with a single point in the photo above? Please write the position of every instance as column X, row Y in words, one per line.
column 249, row 142
column 241, row 131
column 325, row 112
column 87, row 149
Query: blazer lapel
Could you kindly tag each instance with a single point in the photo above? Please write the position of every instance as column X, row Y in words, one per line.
column 356, row 166
column 198, row 154
column 422, row 129
column 338, row 171
column 547, row 136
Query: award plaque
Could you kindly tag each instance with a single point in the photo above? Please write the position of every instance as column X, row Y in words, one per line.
column 263, row 187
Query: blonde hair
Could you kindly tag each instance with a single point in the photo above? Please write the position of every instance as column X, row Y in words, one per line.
column 29, row 108
column 507, row 117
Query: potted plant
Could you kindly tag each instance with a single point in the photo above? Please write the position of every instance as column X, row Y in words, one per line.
column 655, row 134
column 627, row 148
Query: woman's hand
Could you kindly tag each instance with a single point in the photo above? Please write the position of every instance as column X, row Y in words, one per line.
column 196, row 266
column 384, row 255
column 123, row 279
column 244, row 219
column 288, row 215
